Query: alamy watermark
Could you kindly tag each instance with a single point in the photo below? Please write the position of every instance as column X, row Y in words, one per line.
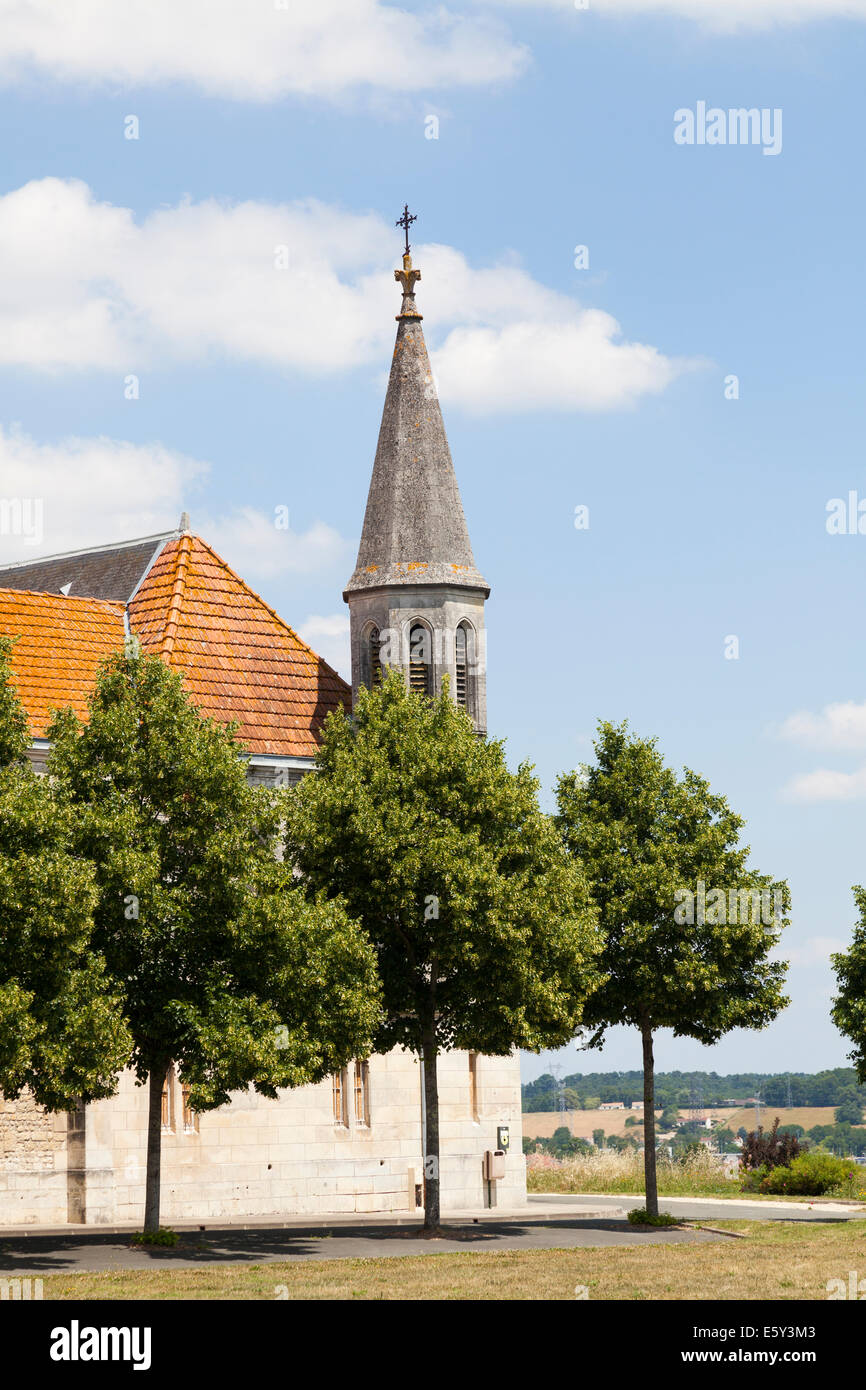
column 712, row 125
column 855, row 1288
column 22, row 516
column 720, row 908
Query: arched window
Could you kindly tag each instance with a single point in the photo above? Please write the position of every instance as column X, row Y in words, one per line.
column 461, row 667
column 464, row 667
column 420, row 660
column 374, row 662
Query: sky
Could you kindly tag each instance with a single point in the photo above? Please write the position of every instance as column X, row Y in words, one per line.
column 646, row 328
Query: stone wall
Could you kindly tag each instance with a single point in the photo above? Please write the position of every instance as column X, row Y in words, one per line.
column 266, row 1158
column 32, row 1164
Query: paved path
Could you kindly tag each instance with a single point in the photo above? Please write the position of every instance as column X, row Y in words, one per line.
column 91, row 1253
column 702, row 1208
column 551, row 1221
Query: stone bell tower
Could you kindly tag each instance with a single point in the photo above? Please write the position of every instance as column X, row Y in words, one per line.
column 415, row 598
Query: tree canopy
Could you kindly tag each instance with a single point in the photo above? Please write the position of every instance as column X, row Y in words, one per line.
column 687, row 932
column 224, row 967
column 484, row 934
column 62, row 1034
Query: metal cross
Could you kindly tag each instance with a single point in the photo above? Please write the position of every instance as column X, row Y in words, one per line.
column 406, row 222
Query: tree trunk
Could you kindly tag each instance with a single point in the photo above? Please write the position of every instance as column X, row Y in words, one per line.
column 431, row 1117
column 649, row 1122
column 155, row 1082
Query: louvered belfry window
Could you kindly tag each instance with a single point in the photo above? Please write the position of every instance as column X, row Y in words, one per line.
column 420, row 663
column 375, row 659
column 460, row 682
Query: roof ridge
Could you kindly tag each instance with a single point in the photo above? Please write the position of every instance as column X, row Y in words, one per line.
column 113, row 603
column 88, row 550
column 169, row 636
column 273, row 612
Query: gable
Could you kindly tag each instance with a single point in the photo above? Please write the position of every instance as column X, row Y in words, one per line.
column 238, row 658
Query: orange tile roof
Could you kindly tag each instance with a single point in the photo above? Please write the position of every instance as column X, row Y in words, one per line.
column 61, row 643
column 238, row 658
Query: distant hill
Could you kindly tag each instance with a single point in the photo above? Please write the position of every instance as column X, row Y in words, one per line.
column 709, row 1090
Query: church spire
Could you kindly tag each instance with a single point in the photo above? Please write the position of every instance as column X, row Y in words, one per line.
column 414, row 526
column 416, row 599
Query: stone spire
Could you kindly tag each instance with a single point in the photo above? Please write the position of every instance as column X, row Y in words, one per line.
column 414, row 527
column 416, row 599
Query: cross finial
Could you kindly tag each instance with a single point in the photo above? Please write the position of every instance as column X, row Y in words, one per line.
column 406, row 222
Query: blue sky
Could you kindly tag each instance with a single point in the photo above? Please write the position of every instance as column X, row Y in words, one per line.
column 604, row 387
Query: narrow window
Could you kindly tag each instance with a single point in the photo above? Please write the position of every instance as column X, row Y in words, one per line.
column 460, row 654
column 420, row 663
column 167, row 1104
column 473, row 1085
column 190, row 1118
column 340, row 1087
column 362, row 1093
column 374, row 659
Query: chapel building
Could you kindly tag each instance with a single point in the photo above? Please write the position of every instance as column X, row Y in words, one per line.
column 352, row 1143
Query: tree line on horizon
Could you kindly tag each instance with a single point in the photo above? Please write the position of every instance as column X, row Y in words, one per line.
column 677, row 1088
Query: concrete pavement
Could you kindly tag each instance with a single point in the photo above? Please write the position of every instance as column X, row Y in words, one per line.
column 549, row 1221
column 702, row 1208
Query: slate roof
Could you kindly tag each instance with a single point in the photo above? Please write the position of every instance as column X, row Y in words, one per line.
column 61, row 642
column 414, row 527
column 239, row 660
column 108, row 572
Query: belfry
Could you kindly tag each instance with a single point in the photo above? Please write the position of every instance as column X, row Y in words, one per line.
column 416, row 598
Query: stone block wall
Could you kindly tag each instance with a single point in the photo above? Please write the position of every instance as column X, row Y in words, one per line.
column 265, row 1158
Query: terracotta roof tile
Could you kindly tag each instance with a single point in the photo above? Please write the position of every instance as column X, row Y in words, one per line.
column 61, row 642
column 239, row 660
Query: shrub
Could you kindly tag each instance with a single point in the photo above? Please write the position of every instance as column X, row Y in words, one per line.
column 164, row 1236
column 641, row 1217
column 768, row 1151
column 809, row 1175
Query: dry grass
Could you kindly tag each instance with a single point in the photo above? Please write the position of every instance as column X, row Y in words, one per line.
column 779, row 1260
column 606, row 1172
column 541, row 1124
column 806, row 1115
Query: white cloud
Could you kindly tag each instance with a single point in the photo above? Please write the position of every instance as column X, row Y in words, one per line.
column 86, row 286
column 841, row 725
column 87, row 491
column 80, row 492
column 253, row 50
column 719, row 15
column 329, row 637
column 252, row 544
column 815, row 950
column 579, row 365
column 827, row 785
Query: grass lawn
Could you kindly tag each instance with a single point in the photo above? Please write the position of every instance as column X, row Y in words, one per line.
column 778, row 1260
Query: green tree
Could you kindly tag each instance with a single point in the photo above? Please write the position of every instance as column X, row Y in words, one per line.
column 647, row 839
column 224, row 967
column 483, row 930
column 726, row 1140
column 598, row 1138
column 849, row 1005
column 61, row 1030
column 849, row 1111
